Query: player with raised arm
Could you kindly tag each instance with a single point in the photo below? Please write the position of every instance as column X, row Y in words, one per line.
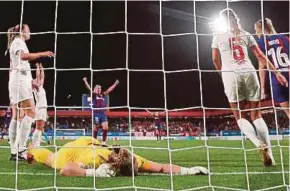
column 20, row 88
column 100, row 105
column 7, row 120
column 276, row 47
column 241, row 84
column 157, row 123
column 80, row 158
column 8, row 115
column 41, row 106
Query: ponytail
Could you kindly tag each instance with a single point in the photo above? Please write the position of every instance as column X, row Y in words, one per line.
column 11, row 34
column 268, row 26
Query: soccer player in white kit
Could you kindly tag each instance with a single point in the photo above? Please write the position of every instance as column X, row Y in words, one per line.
column 20, row 89
column 241, row 83
column 41, row 106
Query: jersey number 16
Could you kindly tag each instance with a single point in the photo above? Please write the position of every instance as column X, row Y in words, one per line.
column 279, row 59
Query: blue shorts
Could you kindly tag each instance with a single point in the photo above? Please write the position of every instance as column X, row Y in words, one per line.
column 158, row 127
column 280, row 93
column 7, row 123
column 100, row 118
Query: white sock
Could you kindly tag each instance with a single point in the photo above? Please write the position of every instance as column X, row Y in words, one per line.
column 13, row 126
column 36, row 137
column 184, row 171
column 263, row 133
column 247, row 128
column 24, row 131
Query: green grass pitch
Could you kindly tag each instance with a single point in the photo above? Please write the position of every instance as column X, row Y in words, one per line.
column 226, row 164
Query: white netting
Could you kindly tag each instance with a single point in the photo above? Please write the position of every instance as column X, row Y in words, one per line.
column 211, row 185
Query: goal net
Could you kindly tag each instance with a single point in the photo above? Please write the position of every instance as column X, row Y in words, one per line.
column 161, row 53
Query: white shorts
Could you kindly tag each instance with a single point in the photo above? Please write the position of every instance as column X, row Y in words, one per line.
column 20, row 91
column 241, row 86
column 40, row 114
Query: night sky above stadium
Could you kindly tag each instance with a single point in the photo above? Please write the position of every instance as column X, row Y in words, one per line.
column 144, row 51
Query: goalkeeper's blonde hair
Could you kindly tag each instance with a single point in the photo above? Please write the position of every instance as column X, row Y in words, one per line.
column 121, row 160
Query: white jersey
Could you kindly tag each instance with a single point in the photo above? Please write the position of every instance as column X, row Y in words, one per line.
column 40, row 97
column 234, row 50
column 19, row 69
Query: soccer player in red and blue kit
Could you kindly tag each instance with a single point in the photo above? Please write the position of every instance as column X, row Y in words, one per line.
column 157, row 123
column 8, row 115
column 100, row 105
column 276, row 47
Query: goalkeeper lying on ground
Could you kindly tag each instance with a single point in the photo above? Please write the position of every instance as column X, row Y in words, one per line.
column 87, row 160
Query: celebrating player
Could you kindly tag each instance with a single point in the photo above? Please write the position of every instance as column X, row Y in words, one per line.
column 20, row 88
column 277, row 50
column 157, row 123
column 6, row 123
column 80, row 158
column 8, row 115
column 100, row 104
column 240, row 79
column 41, row 106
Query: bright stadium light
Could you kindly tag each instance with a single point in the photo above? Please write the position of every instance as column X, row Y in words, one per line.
column 219, row 25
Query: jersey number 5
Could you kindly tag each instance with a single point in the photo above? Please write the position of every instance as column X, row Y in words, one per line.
column 238, row 52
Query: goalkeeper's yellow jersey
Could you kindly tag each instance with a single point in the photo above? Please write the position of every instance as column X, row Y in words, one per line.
column 81, row 151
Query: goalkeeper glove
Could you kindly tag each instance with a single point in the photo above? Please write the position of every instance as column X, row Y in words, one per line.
column 197, row 170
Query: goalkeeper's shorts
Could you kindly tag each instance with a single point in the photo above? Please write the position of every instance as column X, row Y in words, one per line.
column 54, row 160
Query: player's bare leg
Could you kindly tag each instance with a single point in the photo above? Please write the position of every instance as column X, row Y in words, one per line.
column 156, row 132
column 37, row 134
column 154, row 167
column 95, row 131
column 2, row 134
column 158, row 137
column 105, row 132
column 263, row 134
column 285, row 106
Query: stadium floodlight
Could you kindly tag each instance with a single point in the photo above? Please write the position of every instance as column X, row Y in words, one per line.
column 218, row 25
